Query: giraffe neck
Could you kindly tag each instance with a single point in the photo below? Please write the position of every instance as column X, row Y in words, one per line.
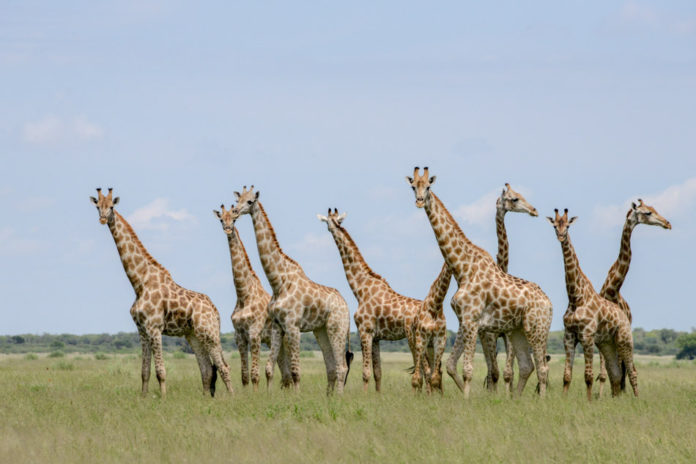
column 245, row 279
column 360, row 276
column 503, row 246
column 136, row 260
column 617, row 272
column 577, row 284
column 276, row 264
column 438, row 290
column 458, row 251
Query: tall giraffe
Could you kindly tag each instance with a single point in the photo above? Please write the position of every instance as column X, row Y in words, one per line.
column 487, row 298
column 508, row 201
column 382, row 313
column 298, row 304
column 252, row 326
column 592, row 320
column 637, row 214
column 163, row 307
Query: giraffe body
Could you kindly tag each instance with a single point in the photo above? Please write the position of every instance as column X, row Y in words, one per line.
column 298, row 304
column 162, row 307
column 382, row 313
column 611, row 289
column 487, row 299
column 252, row 326
column 592, row 320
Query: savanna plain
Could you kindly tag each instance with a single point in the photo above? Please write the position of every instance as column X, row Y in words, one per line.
column 82, row 408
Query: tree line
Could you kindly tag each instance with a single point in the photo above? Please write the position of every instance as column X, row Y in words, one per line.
column 661, row 342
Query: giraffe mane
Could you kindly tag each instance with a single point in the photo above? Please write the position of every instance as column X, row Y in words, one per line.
column 369, row 269
column 273, row 235
column 140, row 245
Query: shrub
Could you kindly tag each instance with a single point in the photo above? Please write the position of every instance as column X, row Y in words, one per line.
column 100, row 357
column 687, row 346
column 56, row 354
column 31, row 356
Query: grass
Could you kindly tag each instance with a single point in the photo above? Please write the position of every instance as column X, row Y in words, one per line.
column 87, row 410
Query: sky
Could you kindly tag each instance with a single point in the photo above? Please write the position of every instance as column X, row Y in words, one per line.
column 579, row 105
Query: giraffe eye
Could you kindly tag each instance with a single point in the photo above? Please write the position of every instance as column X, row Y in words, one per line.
column 249, row 202
column 413, row 188
column 515, row 200
column 648, row 213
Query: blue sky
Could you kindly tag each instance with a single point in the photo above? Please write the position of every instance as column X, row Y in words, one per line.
column 584, row 105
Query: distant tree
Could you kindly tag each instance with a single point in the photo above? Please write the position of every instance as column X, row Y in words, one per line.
column 687, row 346
column 18, row 339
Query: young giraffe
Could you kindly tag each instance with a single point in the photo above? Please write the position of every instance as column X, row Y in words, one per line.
column 638, row 214
column 430, row 331
column 382, row 313
column 163, row 307
column 252, row 326
column 298, row 304
column 592, row 320
column 487, row 297
column 508, row 201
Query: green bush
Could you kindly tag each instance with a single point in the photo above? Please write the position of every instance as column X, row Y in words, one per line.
column 56, row 354
column 100, row 356
column 31, row 356
column 687, row 346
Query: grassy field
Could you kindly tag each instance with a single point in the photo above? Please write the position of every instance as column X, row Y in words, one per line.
column 82, row 409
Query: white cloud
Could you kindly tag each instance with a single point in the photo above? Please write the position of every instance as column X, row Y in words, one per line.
column 11, row 244
column 312, row 243
column 673, row 202
column 641, row 15
column 53, row 130
column 480, row 212
column 157, row 215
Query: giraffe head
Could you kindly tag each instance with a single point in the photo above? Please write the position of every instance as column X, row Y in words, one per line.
column 245, row 200
column 332, row 219
column 644, row 214
column 561, row 224
column 421, row 185
column 227, row 218
column 105, row 205
column 510, row 200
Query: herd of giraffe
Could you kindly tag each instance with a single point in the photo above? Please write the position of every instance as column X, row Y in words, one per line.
column 489, row 303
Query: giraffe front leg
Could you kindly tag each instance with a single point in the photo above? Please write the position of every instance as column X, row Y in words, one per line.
column 490, row 351
column 276, row 342
column 147, row 362
column 508, row 373
column 569, row 342
column 366, row 348
column 469, row 339
column 255, row 347
column 292, row 344
column 436, row 368
column 419, row 347
column 243, row 348
column 377, row 365
column 457, row 351
column 602, row 377
column 588, row 352
column 155, row 336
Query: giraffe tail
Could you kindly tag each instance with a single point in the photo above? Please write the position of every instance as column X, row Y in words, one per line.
column 623, row 376
column 213, row 379
column 349, row 358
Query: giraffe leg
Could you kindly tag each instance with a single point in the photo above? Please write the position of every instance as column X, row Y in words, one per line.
column 436, row 368
column 419, row 346
column 488, row 345
column 147, row 361
column 292, row 343
column 338, row 335
column 625, row 349
column 588, row 352
column 329, row 361
column 156, row 345
column 284, row 366
column 377, row 365
column 508, row 373
column 470, row 333
column 276, row 343
column 243, row 347
column 204, row 365
column 613, row 365
column 428, row 363
column 457, row 351
column 542, row 367
column 569, row 342
column 602, row 377
column 255, row 348
column 366, row 347
column 524, row 359
column 211, row 343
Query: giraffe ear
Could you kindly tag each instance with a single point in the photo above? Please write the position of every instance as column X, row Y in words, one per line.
column 116, row 200
column 237, row 195
column 409, row 179
column 322, row 218
column 257, row 195
column 550, row 220
column 634, row 206
column 572, row 220
column 93, row 200
column 432, row 180
column 340, row 218
column 217, row 214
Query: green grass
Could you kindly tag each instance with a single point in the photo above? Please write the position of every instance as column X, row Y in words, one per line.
column 88, row 410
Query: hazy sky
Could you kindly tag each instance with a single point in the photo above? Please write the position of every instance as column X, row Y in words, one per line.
column 584, row 105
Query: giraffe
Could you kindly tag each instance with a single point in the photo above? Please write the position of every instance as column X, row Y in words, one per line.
column 637, row 214
column 487, row 297
column 592, row 320
column 163, row 307
column 430, row 330
column 298, row 304
column 252, row 326
column 382, row 313
column 508, row 201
